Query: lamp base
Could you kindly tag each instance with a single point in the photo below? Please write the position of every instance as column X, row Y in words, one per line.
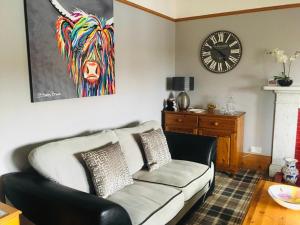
column 183, row 101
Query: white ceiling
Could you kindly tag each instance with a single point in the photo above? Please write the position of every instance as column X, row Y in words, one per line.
column 187, row 8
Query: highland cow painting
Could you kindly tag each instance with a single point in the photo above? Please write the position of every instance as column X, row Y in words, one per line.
column 70, row 48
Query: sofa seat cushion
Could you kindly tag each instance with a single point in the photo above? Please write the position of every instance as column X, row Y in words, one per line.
column 189, row 177
column 148, row 203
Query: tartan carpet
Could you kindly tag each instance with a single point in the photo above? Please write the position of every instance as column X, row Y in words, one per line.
column 229, row 203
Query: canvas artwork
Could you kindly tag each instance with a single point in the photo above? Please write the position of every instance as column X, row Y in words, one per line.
column 70, row 48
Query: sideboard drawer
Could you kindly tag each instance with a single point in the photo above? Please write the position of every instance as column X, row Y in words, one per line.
column 217, row 123
column 186, row 130
column 215, row 132
column 181, row 120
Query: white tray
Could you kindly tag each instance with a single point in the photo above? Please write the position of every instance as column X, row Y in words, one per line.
column 2, row 213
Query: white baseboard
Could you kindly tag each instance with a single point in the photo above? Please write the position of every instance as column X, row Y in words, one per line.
column 273, row 169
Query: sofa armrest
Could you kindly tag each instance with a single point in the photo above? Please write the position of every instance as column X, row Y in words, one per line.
column 45, row 202
column 190, row 147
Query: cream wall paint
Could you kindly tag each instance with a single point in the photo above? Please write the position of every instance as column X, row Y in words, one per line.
column 257, row 32
column 183, row 8
column 143, row 61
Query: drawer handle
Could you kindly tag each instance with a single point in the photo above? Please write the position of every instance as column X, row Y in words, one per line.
column 179, row 120
column 216, row 123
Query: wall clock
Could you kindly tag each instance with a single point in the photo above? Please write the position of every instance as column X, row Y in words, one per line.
column 221, row 51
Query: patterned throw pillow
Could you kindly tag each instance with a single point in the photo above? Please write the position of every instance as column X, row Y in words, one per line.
column 156, row 149
column 108, row 169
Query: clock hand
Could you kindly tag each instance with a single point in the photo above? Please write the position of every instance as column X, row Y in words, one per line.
column 221, row 53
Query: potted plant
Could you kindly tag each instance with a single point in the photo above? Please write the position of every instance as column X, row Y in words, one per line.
column 284, row 78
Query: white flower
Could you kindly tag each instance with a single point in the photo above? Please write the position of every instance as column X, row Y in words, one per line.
column 281, row 58
column 284, row 59
column 279, row 52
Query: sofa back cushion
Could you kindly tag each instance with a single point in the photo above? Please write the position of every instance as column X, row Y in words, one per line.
column 131, row 144
column 61, row 161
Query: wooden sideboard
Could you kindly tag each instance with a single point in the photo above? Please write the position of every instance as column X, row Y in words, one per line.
column 229, row 129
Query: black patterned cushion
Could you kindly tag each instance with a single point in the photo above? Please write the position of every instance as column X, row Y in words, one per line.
column 108, row 169
column 156, row 149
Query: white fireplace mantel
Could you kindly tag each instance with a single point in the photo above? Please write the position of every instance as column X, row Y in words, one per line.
column 291, row 89
column 287, row 104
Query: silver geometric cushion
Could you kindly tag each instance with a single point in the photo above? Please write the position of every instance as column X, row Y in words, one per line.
column 108, row 169
column 156, row 149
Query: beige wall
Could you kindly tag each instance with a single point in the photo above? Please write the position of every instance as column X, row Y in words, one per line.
column 144, row 58
column 257, row 32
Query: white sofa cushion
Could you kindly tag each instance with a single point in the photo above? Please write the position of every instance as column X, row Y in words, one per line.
column 189, row 177
column 61, row 161
column 149, row 204
column 131, row 144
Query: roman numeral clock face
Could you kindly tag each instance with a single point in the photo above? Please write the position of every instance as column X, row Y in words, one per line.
column 221, row 52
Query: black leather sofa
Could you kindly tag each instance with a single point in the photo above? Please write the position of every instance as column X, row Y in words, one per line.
column 45, row 202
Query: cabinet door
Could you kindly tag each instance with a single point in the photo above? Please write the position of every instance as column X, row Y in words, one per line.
column 223, row 152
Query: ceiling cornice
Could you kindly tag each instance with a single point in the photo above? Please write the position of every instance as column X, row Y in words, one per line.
column 230, row 13
column 237, row 12
column 146, row 10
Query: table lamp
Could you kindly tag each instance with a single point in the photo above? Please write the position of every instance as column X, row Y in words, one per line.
column 183, row 84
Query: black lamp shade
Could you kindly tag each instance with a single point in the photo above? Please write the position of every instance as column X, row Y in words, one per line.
column 183, row 83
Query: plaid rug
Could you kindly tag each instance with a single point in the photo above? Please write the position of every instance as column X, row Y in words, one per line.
column 229, row 203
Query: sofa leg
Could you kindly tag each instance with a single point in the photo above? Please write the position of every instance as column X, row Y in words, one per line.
column 211, row 189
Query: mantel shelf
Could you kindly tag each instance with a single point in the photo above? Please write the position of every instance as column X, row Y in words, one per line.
column 283, row 89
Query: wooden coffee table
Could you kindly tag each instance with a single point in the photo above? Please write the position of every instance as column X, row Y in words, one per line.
column 263, row 210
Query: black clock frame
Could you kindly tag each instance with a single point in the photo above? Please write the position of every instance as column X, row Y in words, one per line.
column 219, row 55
